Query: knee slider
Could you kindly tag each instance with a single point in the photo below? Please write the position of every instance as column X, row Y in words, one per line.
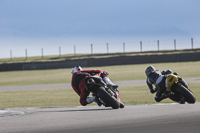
column 157, row 99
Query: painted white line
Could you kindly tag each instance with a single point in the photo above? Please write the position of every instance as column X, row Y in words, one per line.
column 4, row 113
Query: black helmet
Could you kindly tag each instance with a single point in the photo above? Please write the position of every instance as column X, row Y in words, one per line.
column 149, row 69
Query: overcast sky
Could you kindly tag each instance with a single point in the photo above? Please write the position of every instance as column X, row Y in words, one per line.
column 33, row 24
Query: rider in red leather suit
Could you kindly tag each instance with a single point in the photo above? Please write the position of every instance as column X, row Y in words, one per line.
column 78, row 83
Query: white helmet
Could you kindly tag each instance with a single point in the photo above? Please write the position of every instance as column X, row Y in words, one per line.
column 76, row 69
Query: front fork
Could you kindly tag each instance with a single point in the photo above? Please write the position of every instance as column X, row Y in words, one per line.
column 114, row 93
column 118, row 96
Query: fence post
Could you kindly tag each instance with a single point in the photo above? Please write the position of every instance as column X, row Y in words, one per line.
column 107, row 48
column 141, row 46
column 74, row 49
column 91, row 48
column 11, row 55
column 158, row 45
column 174, row 44
column 192, row 43
column 59, row 51
column 26, row 54
column 124, row 47
column 42, row 53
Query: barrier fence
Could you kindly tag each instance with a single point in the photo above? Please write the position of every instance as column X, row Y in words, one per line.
column 93, row 62
column 107, row 47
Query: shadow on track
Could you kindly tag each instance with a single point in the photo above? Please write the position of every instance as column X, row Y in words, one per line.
column 80, row 110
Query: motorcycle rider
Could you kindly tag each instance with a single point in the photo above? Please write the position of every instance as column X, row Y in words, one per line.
column 158, row 79
column 78, row 83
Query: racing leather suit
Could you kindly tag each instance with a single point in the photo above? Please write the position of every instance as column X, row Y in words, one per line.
column 78, row 82
column 158, row 79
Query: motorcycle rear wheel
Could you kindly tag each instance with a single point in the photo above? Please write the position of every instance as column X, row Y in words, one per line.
column 107, row 98
column 190, row 98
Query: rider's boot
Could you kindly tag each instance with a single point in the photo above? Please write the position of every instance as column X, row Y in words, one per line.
column 90, row 99
column 175, row 98
column 94, row 99
column 109, row 82
column 162, row 97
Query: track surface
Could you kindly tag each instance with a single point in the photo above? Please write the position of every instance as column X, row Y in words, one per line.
column 157, row 118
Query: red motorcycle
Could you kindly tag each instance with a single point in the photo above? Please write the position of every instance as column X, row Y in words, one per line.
column 108, row 95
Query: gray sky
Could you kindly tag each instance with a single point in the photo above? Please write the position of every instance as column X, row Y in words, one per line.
column 34, row 24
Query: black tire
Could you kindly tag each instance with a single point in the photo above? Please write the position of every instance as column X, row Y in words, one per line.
column 107, row 98
column 186, row 93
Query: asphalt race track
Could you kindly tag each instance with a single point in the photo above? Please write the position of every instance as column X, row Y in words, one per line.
column 155, row 118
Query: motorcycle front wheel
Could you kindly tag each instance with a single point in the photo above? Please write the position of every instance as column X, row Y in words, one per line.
column 107, row 98
column 190, row 98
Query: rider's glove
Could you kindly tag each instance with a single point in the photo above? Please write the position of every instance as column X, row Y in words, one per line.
column 105, row 72
column 175, row 73
column 168, row 71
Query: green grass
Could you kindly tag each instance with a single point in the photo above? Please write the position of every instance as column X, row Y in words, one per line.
column 67, row 97
column 35, row 77
column 141, row 94
column 117, row 73
column 38, row 98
